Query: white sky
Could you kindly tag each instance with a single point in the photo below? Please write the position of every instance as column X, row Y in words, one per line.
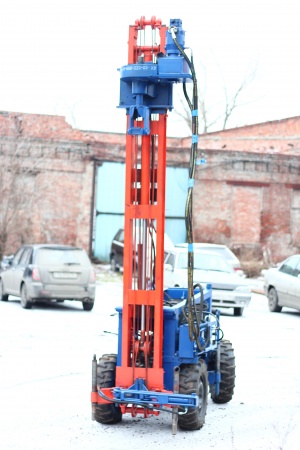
column 61, row 56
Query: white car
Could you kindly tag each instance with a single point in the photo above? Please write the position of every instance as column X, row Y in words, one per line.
column 221, row 250
column 282, row 284
column 229, row 290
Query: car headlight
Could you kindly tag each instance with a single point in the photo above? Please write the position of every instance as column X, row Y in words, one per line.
column 242, row 289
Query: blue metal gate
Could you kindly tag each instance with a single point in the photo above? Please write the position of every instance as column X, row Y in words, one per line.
column 176, row 192
column 110, row 199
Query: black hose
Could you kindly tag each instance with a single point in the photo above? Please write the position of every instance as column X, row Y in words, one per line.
column 194, row 330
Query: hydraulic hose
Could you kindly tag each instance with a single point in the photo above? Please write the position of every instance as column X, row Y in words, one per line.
column 192, row 319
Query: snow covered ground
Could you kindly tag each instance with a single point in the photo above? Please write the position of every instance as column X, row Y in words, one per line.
column 45, row 381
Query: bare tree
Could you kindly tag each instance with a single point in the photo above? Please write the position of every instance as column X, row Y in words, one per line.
column 18, row 193
column 209, row 113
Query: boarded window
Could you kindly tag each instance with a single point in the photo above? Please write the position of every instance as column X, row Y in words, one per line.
column 295, row 217
column 246, row 214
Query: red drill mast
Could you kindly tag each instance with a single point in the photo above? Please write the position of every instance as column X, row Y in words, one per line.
column 142, row 321
column 167, row 353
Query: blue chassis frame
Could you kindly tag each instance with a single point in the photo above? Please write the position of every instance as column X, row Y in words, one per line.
column 177, row 349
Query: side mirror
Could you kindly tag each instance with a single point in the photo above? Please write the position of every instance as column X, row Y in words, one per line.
column 168, row 267
column 6, row 262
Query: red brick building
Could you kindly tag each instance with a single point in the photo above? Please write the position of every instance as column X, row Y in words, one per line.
column 251, row 188
column 247, row 195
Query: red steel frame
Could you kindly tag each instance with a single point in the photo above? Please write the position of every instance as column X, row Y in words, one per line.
column 142, row 314
column 135, row 49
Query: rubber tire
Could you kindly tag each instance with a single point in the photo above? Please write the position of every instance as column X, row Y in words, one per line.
column 193, row 379
column 107, row 413
column 238, row 312
column 3, row 297
column 25, row 301
column 227, row 369
column 88, row 306
column 273, row 301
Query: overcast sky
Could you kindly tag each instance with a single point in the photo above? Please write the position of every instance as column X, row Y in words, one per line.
column 61, row 56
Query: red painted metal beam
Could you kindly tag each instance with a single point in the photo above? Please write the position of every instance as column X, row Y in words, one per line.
column 142, row 315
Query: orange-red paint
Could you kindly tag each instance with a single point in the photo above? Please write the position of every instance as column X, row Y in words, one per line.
column 142, row 315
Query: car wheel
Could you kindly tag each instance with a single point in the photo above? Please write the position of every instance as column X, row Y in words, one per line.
column 273, row 301
column 3, row 297
column 25, row 300
column 113, row 264
column 238, row 311
column 88, row 306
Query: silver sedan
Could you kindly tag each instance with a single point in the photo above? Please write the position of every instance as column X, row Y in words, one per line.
column 229, row 290
column 282, row 284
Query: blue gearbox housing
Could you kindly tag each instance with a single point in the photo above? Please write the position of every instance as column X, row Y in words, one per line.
column 147, row 87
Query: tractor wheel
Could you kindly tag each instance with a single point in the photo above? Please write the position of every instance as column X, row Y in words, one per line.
column 106, row 376
column 193, row 379
column 227, row 369
column 3, row 296
column 273, row 301
column 25, row 300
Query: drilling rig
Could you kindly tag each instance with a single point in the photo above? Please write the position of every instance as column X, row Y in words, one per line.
column 171, row 351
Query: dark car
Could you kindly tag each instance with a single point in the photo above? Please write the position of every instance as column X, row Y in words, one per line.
column 47, row 272
column 282, row 284
column 117, row 248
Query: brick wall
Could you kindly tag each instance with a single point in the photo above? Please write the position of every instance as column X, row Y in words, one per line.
column 246, row 196
column 252, row 174
column 61, row 162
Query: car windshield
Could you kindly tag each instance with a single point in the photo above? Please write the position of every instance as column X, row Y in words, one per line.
column 220, row 250
column 52, row 256
column 204, row 262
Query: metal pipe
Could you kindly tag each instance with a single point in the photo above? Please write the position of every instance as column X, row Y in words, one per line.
column 94, row 384
column 144, row 270
column 176, row 371
column 218, row 367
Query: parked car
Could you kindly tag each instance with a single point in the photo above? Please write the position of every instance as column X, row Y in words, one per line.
column 282, row 284
column 221, row 250
column 46, row 272
column 229, row 290
column 117, row 248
